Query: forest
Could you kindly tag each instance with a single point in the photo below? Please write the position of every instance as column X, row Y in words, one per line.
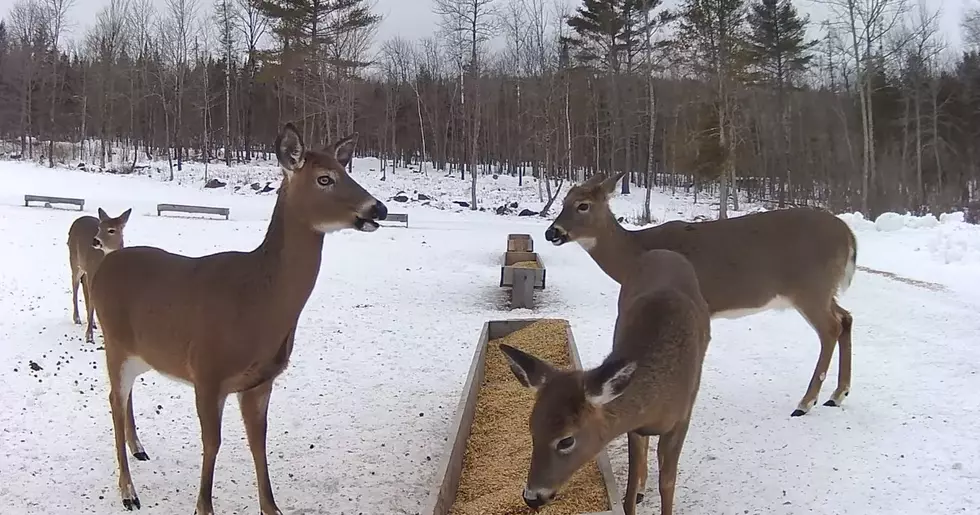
column 872, row 111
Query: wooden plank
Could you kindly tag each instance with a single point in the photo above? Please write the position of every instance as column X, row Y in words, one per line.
column 520, row 243
column 442, row 494
column 183, row 208
column 522, row 291
column 397, row 217
column 54, row 200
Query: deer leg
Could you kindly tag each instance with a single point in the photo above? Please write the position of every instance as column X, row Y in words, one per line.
column 75, row 279
column 90, row 309
column 844, row 357
column 210, row 405
column 254, row 404
column 132, row 439
column 636, row 479
column 828, row 327
column 668, row 455
column 120, row 386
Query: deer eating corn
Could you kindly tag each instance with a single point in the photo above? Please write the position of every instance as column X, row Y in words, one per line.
column 498, row 451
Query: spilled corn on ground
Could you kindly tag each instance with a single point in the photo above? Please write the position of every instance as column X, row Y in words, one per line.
column 498, row 451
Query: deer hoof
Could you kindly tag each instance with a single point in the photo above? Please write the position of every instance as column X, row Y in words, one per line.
column 141, row 456
column 831, row 403
column 129, row 504
column 798, row 413
column 639, row 498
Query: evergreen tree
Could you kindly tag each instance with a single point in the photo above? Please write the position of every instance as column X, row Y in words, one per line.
column 776, row 43
column 777, row 48
column 609, row 33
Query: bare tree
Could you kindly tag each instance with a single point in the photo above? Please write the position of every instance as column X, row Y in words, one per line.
column 866, row 23
column 57, row 14
column 469, row 22
column 107, row 40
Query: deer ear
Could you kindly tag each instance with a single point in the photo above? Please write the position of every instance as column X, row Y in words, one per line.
column 594, row 181
column 609, row 185
column 608, row 381
column 344, row 149
column 529, row 370
column 102, row 215
column 290, row 149
column 124, row 218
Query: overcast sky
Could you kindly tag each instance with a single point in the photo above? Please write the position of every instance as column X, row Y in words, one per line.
column 413, row 18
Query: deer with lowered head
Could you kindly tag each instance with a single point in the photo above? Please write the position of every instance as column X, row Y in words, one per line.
column 225, row 323
column 646, row 386
column 798, row 258
column 89, row 240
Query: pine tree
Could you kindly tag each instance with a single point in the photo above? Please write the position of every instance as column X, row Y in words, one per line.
column 778, row 50
column 713, row 32
column 776, row 43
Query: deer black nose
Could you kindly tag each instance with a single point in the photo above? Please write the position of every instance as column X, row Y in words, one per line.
column 379, row 211
column 534, row 503
column 96, row 243
column 551, row 233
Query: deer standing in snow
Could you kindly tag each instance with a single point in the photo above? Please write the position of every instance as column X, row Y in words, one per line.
column 790, row 258
column 225, row 322
column 646, row 386
column 89, row 240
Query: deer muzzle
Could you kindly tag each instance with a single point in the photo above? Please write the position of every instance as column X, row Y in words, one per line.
column 537, row 498
column 556, row 235
column 368, row 221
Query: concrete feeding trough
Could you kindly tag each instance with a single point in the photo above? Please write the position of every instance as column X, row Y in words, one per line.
column 446, row 482
column 522, row 272
column 520, row 243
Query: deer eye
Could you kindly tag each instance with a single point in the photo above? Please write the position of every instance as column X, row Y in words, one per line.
column 111, row 231
column 584, row 207
column 324, row 180
column 565, row 444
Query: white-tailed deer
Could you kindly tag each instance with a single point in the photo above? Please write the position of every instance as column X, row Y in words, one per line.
column 225, row 322
column 790, row 258
column 89, row 240
column 646, row 386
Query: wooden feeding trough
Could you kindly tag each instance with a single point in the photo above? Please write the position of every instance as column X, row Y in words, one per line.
column 523, row 272
column 520, row 243
column 478, row 472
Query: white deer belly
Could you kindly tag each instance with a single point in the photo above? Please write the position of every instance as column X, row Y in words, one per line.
column 777, row 303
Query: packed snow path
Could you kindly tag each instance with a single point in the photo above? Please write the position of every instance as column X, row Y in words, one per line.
column 358, row 421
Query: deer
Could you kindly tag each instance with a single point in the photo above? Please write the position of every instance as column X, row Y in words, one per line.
column 799, row 258
column 226, row 322
column 646, row 386
column 89, row 240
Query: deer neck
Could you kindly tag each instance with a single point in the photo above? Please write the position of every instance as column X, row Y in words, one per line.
column 614, row 250
column 289, row 258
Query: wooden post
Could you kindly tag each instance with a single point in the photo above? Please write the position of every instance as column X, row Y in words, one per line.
column 522, row 292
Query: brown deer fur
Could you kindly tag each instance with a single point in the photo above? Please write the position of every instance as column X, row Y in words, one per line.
column 800, row 258
column 89, row 240
column 646, row 386
column 225, row 322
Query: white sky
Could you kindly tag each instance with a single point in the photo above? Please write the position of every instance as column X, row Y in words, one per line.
column 414, row 18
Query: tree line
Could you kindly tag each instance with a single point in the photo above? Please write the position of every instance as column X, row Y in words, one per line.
column 724, row 97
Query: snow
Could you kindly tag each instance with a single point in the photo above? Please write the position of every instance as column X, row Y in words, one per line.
column 359, row 419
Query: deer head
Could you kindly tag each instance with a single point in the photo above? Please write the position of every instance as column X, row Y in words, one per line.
column 585, row 212
column 568, row 423
column 110, row 235
column 321, row 193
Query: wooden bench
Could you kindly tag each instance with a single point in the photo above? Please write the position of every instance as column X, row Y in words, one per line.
column 397, row 217
column 54, row 200
column 181, row 208
column 522, row 281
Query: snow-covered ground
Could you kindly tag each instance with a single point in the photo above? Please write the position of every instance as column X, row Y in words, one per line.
column 358, row 421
